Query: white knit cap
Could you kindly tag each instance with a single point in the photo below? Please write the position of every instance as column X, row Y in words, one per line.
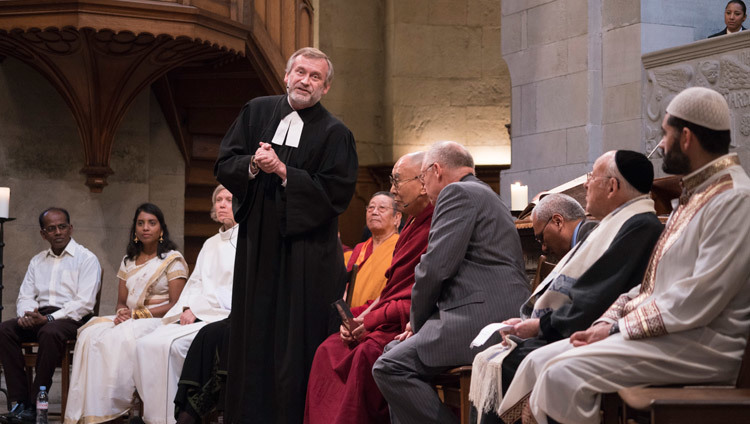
column 701, row 106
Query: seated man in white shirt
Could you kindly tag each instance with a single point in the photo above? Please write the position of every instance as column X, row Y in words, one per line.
column 207, row 298
column 57, row 295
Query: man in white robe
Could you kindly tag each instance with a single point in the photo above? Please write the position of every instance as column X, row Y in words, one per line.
column 688, row 321
column 207, row 298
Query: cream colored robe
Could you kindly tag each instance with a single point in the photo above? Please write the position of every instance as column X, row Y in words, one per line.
column 160, row 354
column 686, row 323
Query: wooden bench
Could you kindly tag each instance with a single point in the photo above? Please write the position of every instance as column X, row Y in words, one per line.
column 691, row 404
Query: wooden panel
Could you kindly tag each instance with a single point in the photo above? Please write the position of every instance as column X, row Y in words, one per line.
column 220, row 7
column 273, row 22
column 206, row 146
column 288, row 32
column 211, row 120
column 305, row 26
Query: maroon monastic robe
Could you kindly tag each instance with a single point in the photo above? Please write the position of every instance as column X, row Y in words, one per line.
column 341, row 388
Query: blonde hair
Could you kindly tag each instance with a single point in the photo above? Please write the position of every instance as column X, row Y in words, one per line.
column 217, row 190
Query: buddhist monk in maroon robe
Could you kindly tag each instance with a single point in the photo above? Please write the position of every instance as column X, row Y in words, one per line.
column 341, row 388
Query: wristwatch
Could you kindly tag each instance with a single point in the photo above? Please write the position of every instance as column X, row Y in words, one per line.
column 615, row 328
column 50, row 318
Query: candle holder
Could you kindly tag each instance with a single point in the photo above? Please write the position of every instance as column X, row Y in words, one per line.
column 2, row 245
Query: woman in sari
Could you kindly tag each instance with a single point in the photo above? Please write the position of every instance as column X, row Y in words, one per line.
column 152, row 276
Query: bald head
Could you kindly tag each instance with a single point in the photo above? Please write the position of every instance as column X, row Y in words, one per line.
column 408, row 191
column 450, row 155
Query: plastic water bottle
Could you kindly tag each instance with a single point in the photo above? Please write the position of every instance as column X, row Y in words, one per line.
column 42, row 405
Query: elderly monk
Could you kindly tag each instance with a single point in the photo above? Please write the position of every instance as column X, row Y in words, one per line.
column 341, row 388
column 687, row 322
column 609, row 261
column 373, row 257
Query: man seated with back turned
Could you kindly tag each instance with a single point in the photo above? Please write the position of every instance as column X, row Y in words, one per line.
column 471, row 275
column 341, row 388
column 688, row 320
column 57, row 295
column 608, row 262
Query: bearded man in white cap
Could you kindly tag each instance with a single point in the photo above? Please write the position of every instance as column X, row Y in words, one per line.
column 687, row 322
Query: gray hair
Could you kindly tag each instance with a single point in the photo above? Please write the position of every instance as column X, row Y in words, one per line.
column 311, row 53
column 450, row 155
column 217, row 190
column 387, row 194
column 612, row 170
column 558, row 203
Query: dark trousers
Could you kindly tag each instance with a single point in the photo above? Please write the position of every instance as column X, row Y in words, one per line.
column 51, row 338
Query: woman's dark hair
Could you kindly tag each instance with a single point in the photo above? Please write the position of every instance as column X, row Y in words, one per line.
column 741, row 3
column 163, row 247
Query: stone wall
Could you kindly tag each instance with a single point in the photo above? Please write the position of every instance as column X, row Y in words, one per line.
column 412, row 72
column 578, row 80
column 40, row 159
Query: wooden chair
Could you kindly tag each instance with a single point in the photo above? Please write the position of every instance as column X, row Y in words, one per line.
column 30, row 351
column 692, row 404
column 453, row 385
column 352, row 277
column 543, row 269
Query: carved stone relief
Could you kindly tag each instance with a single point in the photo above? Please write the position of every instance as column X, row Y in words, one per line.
column 727, row 73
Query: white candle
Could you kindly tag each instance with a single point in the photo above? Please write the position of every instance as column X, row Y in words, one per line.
column 4, row 201
column 519, row 196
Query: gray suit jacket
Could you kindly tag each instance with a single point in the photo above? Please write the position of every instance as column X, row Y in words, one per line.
column 471, row 275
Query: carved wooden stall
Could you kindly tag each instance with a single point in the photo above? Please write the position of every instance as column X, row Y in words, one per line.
column 203, row 58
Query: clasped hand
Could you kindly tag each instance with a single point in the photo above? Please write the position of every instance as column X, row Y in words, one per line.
column 268, row 161
column 123, row 314
column 31, row 319
column 355, row 335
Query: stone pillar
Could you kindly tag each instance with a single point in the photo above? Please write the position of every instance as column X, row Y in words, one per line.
column 578, row 79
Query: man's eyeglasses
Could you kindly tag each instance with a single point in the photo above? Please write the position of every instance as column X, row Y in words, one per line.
column 590, row 176
column 396, row 183
column 540, row 237
column 51, row 229
column 421, row 176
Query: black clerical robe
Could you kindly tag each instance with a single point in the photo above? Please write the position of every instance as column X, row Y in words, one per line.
column 289, row 265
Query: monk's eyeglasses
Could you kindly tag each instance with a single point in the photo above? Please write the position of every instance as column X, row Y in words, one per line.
column 396, row 183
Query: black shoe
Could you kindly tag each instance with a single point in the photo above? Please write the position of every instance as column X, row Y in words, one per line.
column 27, row 416
column 17, row 409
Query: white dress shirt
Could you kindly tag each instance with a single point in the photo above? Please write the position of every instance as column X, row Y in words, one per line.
column 69, row 281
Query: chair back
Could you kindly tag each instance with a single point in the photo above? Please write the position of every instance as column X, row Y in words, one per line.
column 350, row 287
column 543, row 268
column 743, row 378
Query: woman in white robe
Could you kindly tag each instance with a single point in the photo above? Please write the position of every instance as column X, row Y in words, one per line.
column 207, row 298
column 151, row 278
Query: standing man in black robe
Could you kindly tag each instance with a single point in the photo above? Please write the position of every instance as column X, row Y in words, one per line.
column 291, row 167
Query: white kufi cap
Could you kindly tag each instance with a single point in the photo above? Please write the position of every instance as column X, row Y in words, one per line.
column 701, row 106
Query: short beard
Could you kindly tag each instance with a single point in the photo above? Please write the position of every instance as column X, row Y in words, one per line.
column 676, row 162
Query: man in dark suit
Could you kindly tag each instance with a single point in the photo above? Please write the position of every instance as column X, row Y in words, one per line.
column 471, row 275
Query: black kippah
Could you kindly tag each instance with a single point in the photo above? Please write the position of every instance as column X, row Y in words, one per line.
column 636, row 169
